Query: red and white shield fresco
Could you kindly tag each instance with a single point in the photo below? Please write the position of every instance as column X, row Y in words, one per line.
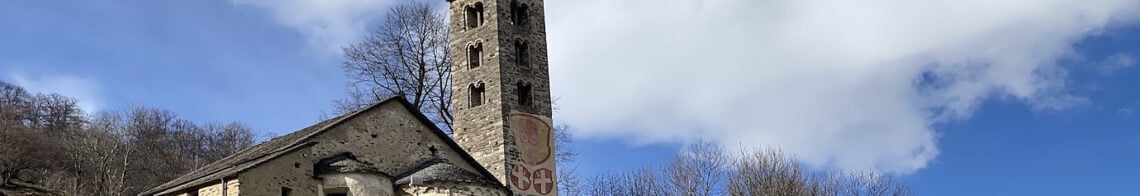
column 534, row 138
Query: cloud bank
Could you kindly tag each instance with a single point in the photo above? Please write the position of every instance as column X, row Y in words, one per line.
column 848, row 84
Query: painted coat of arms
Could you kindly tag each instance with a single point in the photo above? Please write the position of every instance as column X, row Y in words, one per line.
column 534, row 137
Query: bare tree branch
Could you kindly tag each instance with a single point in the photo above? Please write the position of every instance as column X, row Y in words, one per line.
column 406, row 56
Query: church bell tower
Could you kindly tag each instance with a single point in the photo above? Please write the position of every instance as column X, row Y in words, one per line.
column 501, row 91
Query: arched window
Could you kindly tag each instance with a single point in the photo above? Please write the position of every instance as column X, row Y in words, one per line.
column 476, row 94
column 475, row 15
column 522, row 56
column 518, row 13
column 523, row 91
column 474, row 55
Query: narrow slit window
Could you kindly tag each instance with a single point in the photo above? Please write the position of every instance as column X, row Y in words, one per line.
column 524, row 94
column 474, row 55
column 522, row 57
column 476, row 94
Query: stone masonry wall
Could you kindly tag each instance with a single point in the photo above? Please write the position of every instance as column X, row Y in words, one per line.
column 389, row 138
column 232, row 189
column 360, row 184
column 482, row 130
column 478, row 129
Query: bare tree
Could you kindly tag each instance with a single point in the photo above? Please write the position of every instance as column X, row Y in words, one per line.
column 15, row 104
column 703, row 168
column 569, row 183
column 47, row 141
column 226, row 139
column 642, row 181
column 55, row 118
column 770, row 172
column 408, row 55
column 563, row 139
column 56, row 113
column 28, row 125
column 176, row 145
column 103, row 156
column 871, row 183
column 19, row 152
column 697, row 170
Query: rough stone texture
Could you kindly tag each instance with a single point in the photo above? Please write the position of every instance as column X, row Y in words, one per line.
column 483, row 130
column 439, row 171
column 269, row 178
column 345, row 163
column 232, row 189
column 450, row 189
column 358, row 184
column 401, row 142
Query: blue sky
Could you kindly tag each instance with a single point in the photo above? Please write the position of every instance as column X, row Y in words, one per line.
column 1009, row 149
column 208, row 60
column 959, row 99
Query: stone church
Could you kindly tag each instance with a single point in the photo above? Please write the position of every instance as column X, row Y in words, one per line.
column 503, row 142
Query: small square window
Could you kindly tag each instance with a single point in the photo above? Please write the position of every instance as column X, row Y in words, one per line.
column 286, row 191
column 476, row 94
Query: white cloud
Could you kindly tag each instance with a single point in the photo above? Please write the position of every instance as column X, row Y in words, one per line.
column 328, row 24
column 850, row 84
column 1117, row 62
column 84, row 90
column 1124, row 111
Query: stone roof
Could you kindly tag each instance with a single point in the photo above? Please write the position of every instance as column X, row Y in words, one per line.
column 231, row 166
column 344, row 163
column 440, row 170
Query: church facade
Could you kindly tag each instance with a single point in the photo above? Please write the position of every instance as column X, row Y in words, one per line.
column 503, row 138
